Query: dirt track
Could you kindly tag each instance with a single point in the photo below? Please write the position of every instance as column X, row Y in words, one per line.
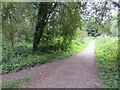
column 78, row 71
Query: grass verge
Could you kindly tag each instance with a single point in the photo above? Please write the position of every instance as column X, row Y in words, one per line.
column 15, row 83
column 107, row 60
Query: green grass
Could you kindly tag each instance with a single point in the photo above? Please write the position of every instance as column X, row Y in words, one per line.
column 107, row 60
column 15, row 83
column 26, row 59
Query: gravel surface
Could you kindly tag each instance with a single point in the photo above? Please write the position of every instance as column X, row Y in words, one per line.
column 78, row 71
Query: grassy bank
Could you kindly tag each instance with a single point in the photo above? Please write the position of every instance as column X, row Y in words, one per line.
column 26, row 59
column 16, row 83
column 107, row 60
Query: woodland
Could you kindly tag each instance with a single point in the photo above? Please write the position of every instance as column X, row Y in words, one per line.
column 35, row 33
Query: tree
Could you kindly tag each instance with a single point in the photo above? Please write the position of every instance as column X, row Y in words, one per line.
column 18, row 21
column 8, row 10
column 44, row 12
column 61, row 29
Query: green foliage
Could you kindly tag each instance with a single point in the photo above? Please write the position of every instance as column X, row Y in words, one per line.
column 92, row 27
column 18, row 21
column 59, row 39
column 114, row 26
column 61, row 29
column 107, row 60
column 15, row 83
column 26, row 59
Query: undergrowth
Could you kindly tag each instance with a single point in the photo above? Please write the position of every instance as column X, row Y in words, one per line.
column 107, row 60
column 24, row 58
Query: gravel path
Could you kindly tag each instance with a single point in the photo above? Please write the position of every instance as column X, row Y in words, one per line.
column 78, row 71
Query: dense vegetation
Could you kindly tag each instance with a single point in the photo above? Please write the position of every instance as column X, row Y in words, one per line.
column 107, row 60
column 26, row 59
column 39, row 32
column 61, row 36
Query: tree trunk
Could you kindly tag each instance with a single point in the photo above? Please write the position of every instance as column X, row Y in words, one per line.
column 11, row 33
column 45, row 9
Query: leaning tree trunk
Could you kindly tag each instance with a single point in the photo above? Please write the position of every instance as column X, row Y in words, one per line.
column 45, row 9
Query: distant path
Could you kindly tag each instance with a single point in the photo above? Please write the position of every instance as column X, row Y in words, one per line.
column 78, row 71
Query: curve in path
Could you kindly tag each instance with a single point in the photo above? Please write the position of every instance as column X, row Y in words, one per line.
column 78, row 71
